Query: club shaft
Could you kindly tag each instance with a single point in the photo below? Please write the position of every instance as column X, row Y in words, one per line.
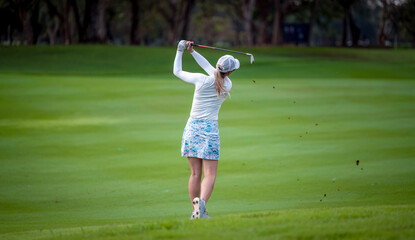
column 221, row 49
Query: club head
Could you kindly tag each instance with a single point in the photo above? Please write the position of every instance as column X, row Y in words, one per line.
column 252, row 58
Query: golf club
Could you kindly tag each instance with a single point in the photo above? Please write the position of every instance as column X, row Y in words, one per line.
column 215, row 48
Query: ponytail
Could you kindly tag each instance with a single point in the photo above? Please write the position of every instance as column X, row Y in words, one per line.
column 220, row 84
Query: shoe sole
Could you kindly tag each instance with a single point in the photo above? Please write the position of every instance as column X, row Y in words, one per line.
column 196, row 206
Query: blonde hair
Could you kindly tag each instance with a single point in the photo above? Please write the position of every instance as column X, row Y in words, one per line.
column 220, row 84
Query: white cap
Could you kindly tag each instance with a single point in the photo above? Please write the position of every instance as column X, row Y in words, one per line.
column 227, row 63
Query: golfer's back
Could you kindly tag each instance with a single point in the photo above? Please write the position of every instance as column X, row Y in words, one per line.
column 206, row 103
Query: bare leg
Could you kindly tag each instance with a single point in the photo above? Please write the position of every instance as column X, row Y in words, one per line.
column 210, row 168
column 195, row 177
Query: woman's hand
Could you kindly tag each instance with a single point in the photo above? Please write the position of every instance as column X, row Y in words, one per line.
column 189, row 46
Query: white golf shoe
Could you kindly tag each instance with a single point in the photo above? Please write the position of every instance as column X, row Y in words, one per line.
column 203, row 211
column 196, row 207
column 199, row 206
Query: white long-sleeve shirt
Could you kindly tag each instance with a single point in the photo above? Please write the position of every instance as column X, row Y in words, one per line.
column 206, row 103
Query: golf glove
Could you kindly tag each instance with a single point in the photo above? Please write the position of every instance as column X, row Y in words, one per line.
column 182, row 45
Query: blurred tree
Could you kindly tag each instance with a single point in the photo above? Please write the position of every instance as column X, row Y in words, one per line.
column 175, row 13
column 187, row 19
column 63, row 15
column 243, row 9
column 29, row 13
column 281, row 9
column 325, row 30
column 304, row 11
column 81, row 26
column 277, row 25
column 313, row 15
column 382, row 35
column 9, row 20
column 408, row 18
column 247, row 10
column 97, row 29
column 265, row 20
column 222, row 22
column 91, row 26
column 135, row 26
column 233, row 10
column 396, row 16
column 349, row 24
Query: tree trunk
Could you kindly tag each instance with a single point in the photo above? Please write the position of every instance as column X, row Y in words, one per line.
column 262, row 32
column 27, row 28
column 187, row 17
column 66, row 24
column 79, row 28
column 52, row 31
column 263, row 8
column 354, row 30
column 34, row 21
column 87, row 21
column 173, row 17
column 29, row 20
column 276, row 32
column 247, row 10
column 65, row 28
column 135, row 27
column 178, row 21
column 382, row 35
column 236, row 33
column 97, row 18
column 345, row 29
column 311, row 23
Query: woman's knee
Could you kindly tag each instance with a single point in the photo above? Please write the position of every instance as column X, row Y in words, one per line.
column 196, row 173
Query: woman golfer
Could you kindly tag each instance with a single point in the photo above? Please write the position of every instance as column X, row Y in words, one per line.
column 200, row 142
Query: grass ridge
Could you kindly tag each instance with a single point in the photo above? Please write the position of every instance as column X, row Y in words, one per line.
column 373, row 222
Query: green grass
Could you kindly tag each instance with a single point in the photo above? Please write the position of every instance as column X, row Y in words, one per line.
column 90, row 145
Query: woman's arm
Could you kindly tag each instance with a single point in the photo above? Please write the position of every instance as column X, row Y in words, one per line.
column 193, row 78
column 203, row 63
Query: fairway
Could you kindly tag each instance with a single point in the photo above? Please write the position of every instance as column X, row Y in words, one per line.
column 90, row 145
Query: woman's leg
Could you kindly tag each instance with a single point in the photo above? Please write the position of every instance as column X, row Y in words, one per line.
column 195, row 177
column 210, row 168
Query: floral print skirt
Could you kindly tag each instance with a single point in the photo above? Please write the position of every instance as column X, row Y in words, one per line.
column 201, row 139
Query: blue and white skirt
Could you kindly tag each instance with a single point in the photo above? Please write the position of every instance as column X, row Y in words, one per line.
column 201, row 139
